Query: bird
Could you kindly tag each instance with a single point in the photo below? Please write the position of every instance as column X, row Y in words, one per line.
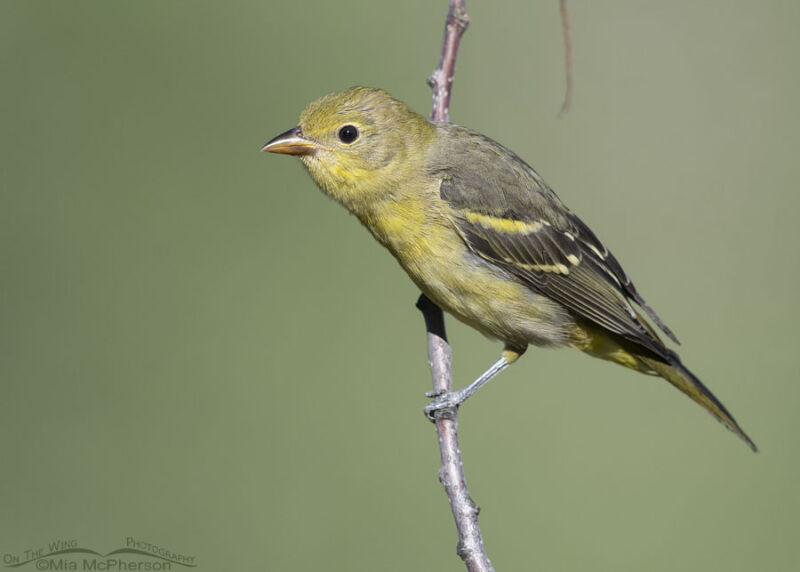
column 484, row 237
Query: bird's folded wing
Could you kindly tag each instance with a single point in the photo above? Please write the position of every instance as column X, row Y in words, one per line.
column 507, row 215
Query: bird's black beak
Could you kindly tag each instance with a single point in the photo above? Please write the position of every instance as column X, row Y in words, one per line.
column 291, row 142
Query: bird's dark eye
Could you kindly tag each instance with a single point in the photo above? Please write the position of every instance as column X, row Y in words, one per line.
column 348, row 134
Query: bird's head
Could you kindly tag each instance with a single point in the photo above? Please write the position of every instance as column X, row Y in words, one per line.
column 357, row 144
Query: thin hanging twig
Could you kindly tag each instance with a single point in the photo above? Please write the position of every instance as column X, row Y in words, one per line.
column 562, row 4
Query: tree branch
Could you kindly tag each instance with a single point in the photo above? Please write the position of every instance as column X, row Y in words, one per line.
column 451, row 474
column 441, row 80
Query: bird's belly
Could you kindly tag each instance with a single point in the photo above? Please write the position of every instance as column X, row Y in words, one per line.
column 462, row 283
column 487, row 298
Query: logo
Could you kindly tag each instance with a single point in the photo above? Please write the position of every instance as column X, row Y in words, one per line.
column 136, row 555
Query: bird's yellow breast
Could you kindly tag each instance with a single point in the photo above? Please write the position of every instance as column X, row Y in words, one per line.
column 421, row 236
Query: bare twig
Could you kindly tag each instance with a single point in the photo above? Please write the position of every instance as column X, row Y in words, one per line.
column 451, row 474
column 567, row 56
column 441, row 80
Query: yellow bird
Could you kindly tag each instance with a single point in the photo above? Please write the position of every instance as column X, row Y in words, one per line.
column 483, row 236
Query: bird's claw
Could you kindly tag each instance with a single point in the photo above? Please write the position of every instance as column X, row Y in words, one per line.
column 440, row 403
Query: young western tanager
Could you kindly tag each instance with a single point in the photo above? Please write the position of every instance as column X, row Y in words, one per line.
column 483, row 236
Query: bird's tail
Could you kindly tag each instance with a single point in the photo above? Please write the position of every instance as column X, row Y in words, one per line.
column 612, row 348
column 679, row 376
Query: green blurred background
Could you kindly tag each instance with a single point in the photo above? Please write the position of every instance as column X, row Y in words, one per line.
column 199, row 350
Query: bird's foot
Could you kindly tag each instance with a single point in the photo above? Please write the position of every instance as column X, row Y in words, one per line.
column 443, row 404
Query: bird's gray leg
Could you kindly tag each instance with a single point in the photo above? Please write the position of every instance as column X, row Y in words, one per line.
column 456, row 398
